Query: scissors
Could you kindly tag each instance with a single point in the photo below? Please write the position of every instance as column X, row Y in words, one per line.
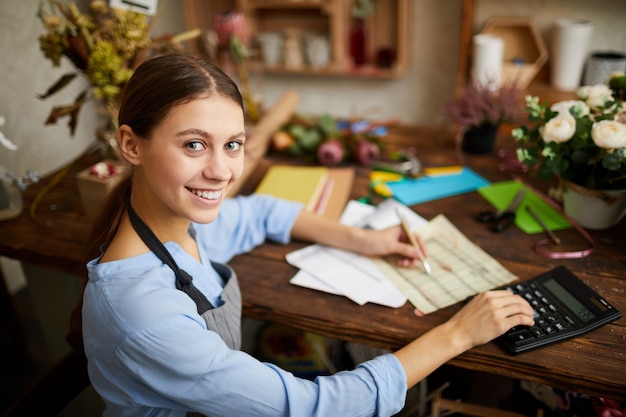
column 502, row 219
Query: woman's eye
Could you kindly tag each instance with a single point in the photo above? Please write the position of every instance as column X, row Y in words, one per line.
column 195, row 146
column 233, row 146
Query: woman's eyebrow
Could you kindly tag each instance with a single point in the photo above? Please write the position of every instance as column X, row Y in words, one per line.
column 199, row 132
column 207, row 135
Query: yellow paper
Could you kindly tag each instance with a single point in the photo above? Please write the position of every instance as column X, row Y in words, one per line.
column 302, row 184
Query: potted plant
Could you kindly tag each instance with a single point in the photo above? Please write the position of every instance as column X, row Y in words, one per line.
column 583, row 144
column 478, row 110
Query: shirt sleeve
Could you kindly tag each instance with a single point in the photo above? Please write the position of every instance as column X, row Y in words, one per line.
column 227, row 382
column 247, row 221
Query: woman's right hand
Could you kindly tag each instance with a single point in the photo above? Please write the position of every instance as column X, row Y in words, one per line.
column 488, row 315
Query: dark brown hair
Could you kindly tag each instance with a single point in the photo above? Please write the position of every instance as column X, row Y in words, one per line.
column 157, row 85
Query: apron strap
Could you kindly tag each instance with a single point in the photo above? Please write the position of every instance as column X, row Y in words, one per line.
column 184, row 281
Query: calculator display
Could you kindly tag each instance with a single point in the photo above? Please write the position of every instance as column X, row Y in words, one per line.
column 576, row 306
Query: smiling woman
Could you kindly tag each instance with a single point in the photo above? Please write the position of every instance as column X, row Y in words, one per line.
column 162, row 312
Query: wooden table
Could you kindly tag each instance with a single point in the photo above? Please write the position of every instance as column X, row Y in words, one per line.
column 593, row 364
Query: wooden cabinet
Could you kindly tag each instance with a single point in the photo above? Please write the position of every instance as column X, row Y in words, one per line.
column 387, row 34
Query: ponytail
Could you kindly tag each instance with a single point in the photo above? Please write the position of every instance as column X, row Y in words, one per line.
column 108, row 220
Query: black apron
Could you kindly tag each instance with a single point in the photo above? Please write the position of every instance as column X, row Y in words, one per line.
column 225, row 320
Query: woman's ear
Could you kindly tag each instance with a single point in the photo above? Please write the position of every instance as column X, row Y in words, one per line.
column 128, row 144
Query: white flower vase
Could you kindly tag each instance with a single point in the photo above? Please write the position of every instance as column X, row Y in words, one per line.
column 593, row 209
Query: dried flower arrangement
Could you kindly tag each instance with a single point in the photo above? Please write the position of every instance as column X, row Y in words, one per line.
column 483, row 104
column 105, row 45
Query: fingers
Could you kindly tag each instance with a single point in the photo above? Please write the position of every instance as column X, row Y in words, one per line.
column 492, row 313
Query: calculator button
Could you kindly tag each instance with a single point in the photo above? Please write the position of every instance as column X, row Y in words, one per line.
column 520, row 336
column 549, row 329
column 537, row 332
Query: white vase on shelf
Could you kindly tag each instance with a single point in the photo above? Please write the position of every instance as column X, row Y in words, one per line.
column 570, row 41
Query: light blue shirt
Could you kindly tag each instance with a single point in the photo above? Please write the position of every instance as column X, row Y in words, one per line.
column 150, row 354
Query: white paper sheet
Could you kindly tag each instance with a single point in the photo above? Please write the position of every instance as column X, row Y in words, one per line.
column 345, row 273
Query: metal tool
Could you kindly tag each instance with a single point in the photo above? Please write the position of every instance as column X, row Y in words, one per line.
column 406, row 164
column 502, row 219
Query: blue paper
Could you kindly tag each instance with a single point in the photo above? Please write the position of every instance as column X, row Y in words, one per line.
column 420, row 190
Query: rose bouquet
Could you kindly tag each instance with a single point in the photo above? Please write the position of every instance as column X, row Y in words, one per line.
column 581, row 141
column 331, row 141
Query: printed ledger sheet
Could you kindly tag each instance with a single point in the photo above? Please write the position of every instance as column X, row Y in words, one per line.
column 460, row 269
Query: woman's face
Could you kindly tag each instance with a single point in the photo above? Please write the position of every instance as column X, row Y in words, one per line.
column 193, row 158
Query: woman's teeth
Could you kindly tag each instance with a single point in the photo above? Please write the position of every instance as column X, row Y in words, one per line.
column 209, row 195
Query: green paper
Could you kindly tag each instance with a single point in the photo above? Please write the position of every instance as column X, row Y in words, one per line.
column 500, row 195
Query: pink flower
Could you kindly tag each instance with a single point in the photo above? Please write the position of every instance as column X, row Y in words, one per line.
column 230, row 23
column 330, row 152
column 103, row 170
column 366, row 152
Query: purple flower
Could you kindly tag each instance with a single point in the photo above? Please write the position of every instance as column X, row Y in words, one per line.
column 330, row 153
column 366, row 152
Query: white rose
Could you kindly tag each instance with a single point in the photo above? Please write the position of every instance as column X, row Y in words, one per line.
column 580, row 107
column 595, row 95
column 609, row 134
column 559, row 129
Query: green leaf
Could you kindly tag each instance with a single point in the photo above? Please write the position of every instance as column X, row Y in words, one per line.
column 612, row 161
column 327, row 125
column 295, row 149
column 71, row 110
column 579, row 157
column 310, row 140
column 58, row 85
column 297, row 131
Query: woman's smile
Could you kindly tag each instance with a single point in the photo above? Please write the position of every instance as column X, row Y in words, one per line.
column 207, row 194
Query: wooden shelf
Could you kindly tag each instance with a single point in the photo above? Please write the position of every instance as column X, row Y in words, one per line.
column 388, row 28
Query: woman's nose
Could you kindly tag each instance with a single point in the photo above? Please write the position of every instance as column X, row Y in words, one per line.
column 217, row 167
